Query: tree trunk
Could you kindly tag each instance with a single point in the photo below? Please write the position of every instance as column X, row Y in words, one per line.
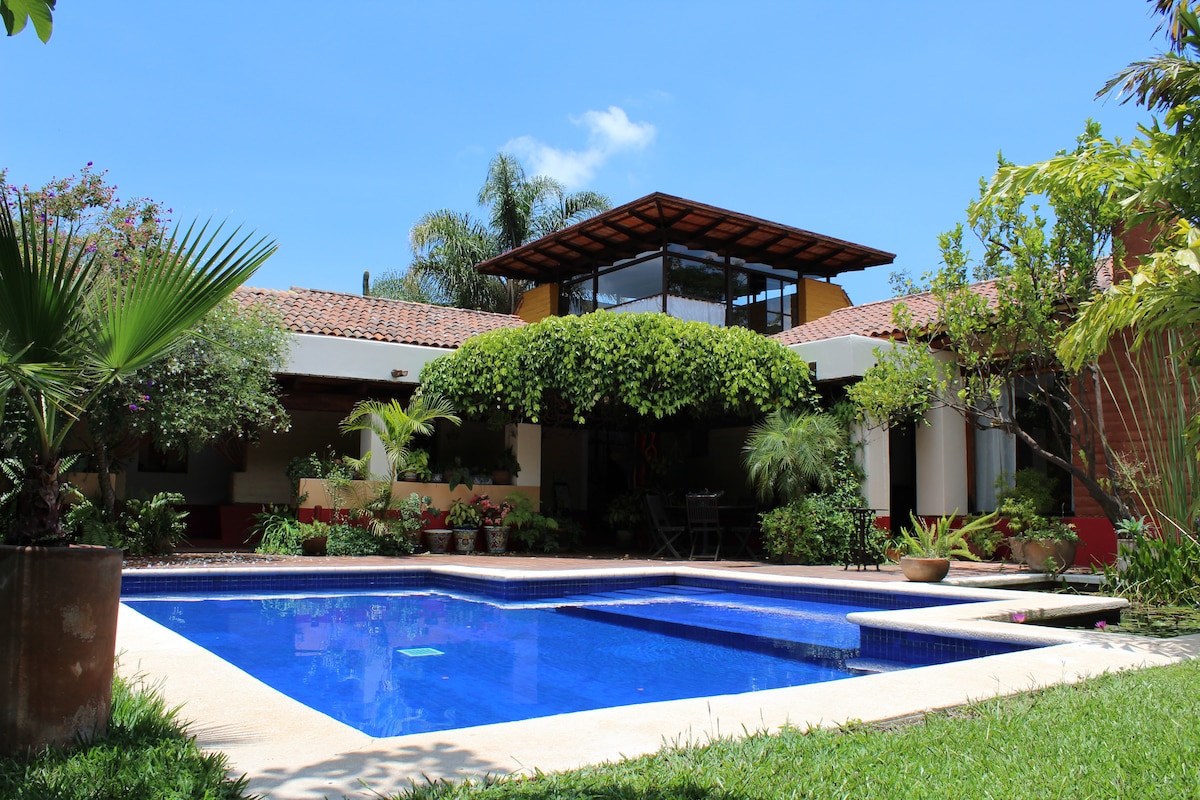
column 108, row 497
column 36, row 521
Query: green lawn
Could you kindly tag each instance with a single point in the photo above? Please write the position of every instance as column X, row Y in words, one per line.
column 146, row 756
column 1133, row 735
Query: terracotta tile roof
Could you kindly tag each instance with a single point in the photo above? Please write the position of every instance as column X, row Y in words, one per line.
column 872, row 319
column 378, row 319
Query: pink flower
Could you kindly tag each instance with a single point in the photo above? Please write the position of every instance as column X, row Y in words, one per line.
column 1101, row 625
column 1018, row 617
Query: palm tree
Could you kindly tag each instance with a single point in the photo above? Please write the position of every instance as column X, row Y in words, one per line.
column 396, row 426
column 447, row 245
column 69, row 328
column 789, row 452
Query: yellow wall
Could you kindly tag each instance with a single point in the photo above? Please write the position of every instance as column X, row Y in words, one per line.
column 818, row 298
column 314, row 493
column 538, row 303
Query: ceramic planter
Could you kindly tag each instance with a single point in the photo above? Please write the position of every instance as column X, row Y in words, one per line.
column 497, row 538
column 437, row 539
column 464, row 540
column 924, row 570
column 58, row 634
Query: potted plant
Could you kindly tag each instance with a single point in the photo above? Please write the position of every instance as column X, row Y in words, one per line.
column 506, row 467
column 464, row 518
column 493, row 516
column 929, row 546
column 625, row 515
column 1130, row 531
column 1042, row 543
column 416, row 466
column 69, row 326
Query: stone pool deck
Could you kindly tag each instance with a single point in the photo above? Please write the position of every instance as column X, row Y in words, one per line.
column 290, row 751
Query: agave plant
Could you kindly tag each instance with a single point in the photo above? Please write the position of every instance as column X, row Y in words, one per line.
column 937, row 539
column 69, row 326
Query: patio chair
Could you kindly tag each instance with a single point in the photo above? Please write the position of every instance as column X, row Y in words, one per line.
column 665, row 533
column 704, row 525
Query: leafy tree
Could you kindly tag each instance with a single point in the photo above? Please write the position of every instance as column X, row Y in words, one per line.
column 69, row 327
column 1156, row 179
column 217, row 387
column 981, row 343
column 17, row 13
column 447, row 245
column 613, row 367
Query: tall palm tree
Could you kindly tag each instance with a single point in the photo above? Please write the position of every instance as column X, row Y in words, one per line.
column 69, row 328
column 447, row 245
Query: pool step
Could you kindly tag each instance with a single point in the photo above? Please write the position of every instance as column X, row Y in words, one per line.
column 823, row 655
column 871, row 666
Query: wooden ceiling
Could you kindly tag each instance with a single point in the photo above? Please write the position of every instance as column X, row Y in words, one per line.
column 647, row 224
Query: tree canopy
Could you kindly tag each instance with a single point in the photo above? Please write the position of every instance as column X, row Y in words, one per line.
column 607, row 366
column 999, row 339
column 447, row 245
column 17, row 13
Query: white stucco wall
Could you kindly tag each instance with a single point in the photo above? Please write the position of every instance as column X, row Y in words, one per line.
column 841, row 357
column 339, row 357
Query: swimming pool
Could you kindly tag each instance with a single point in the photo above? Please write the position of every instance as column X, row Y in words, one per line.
column 395, row 654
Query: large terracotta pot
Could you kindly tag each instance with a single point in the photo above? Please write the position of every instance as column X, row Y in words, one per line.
column 924, row 570
column 1038, row 552
column 58, row 636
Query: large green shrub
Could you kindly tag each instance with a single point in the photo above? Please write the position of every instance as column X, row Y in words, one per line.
column 817, row 528
column 603, row 366
column 154, row 526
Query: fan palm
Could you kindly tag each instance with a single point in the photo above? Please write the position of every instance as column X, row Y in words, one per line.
column 447, row 245
column 69, row 327
column 396, row 426
column 788, row 452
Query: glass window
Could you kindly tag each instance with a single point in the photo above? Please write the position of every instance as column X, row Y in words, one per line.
column 763, row 303
column 576, row 297
column 687, row 277
column 628, row 284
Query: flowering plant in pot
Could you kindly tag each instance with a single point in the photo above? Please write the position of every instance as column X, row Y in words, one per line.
column 70, row 326
column 493, row 515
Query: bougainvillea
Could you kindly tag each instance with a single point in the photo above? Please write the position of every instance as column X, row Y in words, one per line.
column 607, row 366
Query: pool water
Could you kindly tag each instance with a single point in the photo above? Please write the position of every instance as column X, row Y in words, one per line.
column 401, row 662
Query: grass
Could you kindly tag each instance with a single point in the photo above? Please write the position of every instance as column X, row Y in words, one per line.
column 1129, row 735
column 147, row 755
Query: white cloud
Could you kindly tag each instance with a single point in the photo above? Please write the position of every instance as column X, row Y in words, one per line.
column 609, row 132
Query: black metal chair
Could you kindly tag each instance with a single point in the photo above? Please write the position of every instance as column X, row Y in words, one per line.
column 704, row 525
column 665, row 532
column 860, row 552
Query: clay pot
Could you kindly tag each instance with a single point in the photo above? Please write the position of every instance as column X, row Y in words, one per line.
column 437, row 539
column 1038, row 552
column 58, row 632
column 924, row 570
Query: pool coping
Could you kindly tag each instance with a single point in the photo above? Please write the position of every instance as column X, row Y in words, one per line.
column 290, row 751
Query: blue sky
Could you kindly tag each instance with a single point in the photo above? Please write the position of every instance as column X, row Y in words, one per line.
column 333, row 127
